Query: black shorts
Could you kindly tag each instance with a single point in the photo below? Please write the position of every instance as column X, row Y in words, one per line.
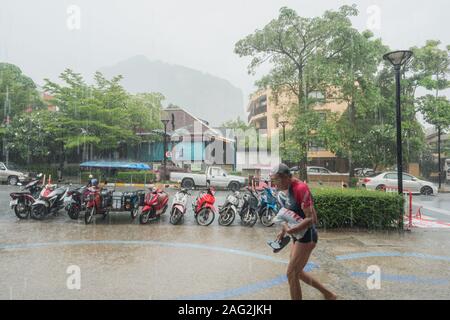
column 310, row 236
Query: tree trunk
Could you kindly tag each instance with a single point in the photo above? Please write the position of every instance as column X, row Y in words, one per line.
column 351, row 174
column 302, row 166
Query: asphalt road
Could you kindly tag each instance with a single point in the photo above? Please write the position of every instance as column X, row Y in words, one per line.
column 437, row 207
column 117, row 258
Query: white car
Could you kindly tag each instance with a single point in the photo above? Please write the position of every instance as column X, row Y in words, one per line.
column 317, row 171
column 410, row 183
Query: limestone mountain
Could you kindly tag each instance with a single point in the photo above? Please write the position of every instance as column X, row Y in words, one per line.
column 206, row 96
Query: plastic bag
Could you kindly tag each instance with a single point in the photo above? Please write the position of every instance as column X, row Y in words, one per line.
column 292, row 219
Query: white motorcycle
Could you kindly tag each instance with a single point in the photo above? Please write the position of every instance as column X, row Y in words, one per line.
column 51, row 200
column 179, row 206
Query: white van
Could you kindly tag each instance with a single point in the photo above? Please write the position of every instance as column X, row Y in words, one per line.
column 447, row 169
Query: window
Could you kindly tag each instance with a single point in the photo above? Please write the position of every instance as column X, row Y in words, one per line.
column 2, row 167
column 215, row 172
column 407, row 177
column 392, row 176
column 324, row 170
column 317, row 95
column 313, row 170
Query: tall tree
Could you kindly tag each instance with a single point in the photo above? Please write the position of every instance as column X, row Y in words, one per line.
column 432, row 66
column 290, row 43
column 21, row 90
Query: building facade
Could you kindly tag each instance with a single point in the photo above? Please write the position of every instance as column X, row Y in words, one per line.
column 266, row 111
column 192, row 143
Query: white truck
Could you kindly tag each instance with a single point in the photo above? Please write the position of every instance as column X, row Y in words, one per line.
column 11, row 175
column 214, row 176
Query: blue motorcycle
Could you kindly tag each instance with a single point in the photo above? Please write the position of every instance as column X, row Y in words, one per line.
column 269, row 207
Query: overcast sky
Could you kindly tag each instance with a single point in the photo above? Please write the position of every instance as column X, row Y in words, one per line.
column 43, row 38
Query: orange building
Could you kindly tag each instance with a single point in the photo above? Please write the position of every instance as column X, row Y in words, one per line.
column 266, row 110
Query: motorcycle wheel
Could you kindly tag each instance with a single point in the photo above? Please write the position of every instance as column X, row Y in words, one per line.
column 175, row 216
column 249, row 218
column 205, row 217
column 134, row 212
column 227, row 217
column 144, row 217
column 89, row 215
column 253, row 217
column 267, row 217
column 73, row 213
column 38, row 212
column 22, row 211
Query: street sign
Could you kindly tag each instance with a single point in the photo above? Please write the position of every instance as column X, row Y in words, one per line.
column 168, row 154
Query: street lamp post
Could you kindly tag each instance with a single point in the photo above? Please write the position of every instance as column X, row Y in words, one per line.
column 283, row 124
column 398, row 59
column 165, row 122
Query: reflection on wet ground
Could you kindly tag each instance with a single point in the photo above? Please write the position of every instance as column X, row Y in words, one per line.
column 120, row 259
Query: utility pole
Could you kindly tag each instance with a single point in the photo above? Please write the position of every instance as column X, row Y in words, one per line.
column 283, row 124
column 7, row 112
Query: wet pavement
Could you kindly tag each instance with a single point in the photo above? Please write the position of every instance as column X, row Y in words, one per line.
column 435, row 207
column 119, row 259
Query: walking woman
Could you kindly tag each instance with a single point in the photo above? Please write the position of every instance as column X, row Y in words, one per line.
column 299, row 200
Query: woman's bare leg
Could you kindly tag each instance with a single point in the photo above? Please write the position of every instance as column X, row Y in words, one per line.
column 306, row 249
column 296, row 264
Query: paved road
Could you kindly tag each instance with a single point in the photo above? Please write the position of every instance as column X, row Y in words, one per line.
column 119, row 259
column 437, row 207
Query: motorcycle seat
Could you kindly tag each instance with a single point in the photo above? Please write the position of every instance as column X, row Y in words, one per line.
column 22, row 192
column 60, row 191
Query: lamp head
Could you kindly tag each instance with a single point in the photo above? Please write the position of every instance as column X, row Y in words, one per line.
column 398, row 58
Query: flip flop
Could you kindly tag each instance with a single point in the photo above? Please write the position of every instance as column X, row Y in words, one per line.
column 277, row 246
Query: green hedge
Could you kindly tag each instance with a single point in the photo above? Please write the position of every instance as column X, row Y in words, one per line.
column 348, row 208
column 122, row 176
column 136, row 177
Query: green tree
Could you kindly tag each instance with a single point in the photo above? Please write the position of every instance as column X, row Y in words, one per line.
column 30, row 137
column 432, row 67
column 103, row 115
column 22, row 91
column 291, row 44
column 236, row 124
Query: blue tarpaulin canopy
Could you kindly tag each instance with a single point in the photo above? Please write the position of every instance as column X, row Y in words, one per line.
column 115, row 165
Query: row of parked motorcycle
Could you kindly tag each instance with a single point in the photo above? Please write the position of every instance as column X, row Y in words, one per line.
column 39, row 199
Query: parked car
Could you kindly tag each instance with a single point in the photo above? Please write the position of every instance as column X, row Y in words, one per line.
column 213, row 177
column 410, row 183
column 317, row 171
column 11, row 175
column 363, row 172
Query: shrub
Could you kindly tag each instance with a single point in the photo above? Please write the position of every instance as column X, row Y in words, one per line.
column 122, row 176
column 343, row 208
column 68, row 170
column 135, row 177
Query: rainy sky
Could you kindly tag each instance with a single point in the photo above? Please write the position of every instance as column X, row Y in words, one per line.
column 42, row 39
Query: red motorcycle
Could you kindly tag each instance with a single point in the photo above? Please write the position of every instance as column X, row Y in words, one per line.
column 155, row 204
column 203, row 206
column 22, row 200
column 99, row 201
